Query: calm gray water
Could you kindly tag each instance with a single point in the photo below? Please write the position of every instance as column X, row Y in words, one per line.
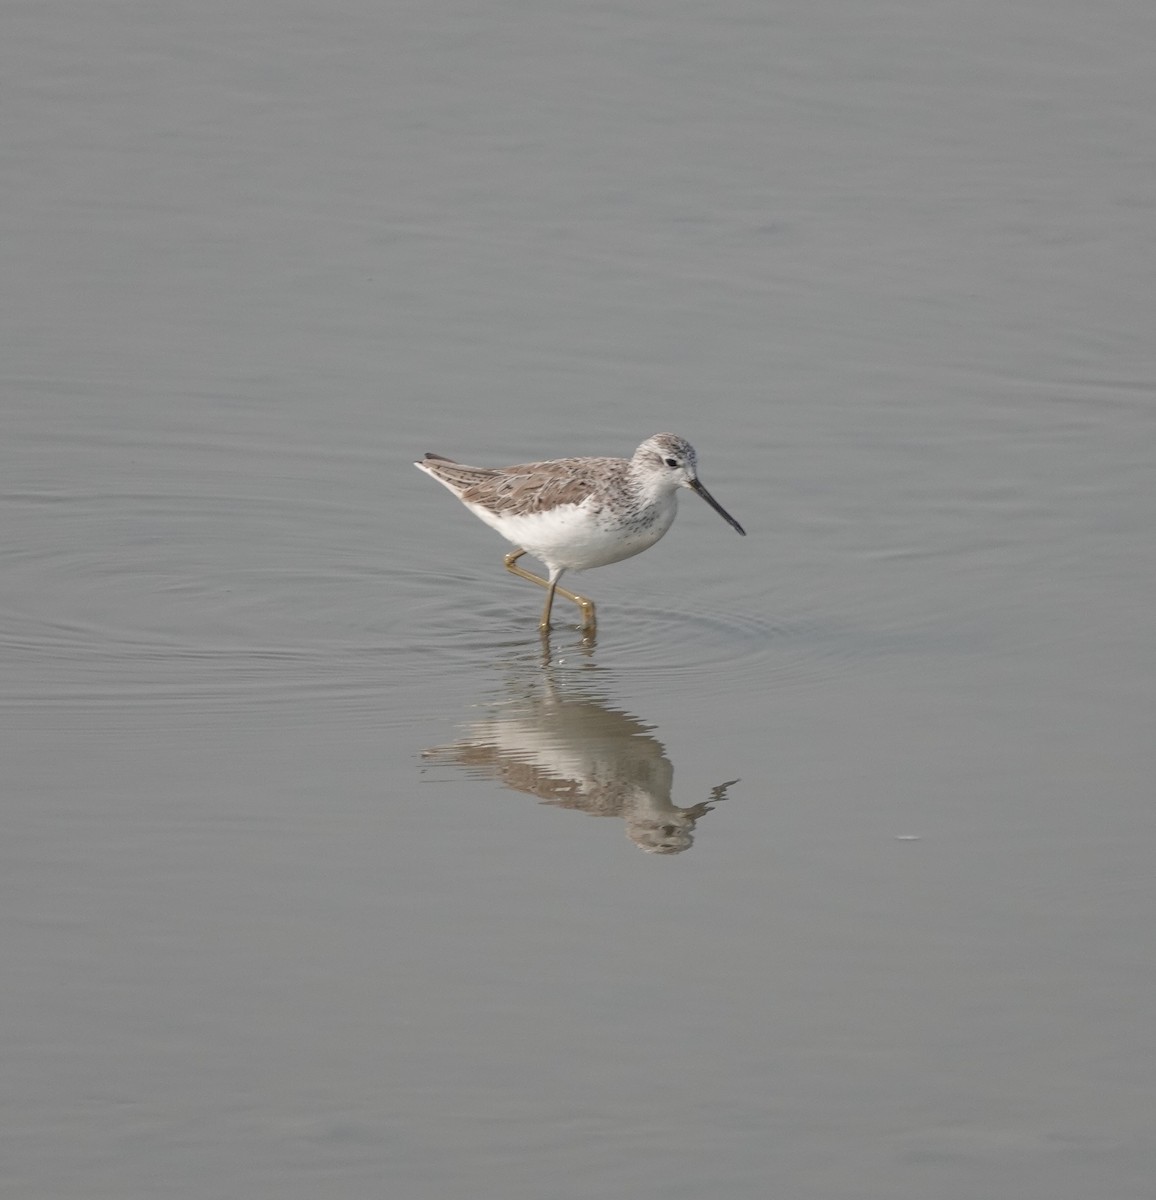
column 303, row 893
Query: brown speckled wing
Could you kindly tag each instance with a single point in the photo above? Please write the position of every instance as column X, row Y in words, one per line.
column 530, row 487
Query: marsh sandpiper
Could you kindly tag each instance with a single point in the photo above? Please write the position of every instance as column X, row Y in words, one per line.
column 575, row 513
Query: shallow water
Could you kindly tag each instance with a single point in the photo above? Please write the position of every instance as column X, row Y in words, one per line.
column 302, row 893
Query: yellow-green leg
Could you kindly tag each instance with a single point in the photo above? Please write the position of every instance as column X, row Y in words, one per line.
column 551, row 586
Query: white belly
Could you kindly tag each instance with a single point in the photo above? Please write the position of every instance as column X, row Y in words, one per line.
column 574, row 538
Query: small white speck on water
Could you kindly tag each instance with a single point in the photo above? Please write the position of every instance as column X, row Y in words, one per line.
column 909, row 837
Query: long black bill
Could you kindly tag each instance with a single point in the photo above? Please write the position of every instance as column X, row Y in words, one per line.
column 722, row 512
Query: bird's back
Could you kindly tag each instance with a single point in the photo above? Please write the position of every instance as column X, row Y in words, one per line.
column 528, row 487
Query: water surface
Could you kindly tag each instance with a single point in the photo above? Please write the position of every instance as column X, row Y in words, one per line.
column 303, row 893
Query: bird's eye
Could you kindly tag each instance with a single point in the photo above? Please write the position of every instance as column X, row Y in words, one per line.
column 672, row 462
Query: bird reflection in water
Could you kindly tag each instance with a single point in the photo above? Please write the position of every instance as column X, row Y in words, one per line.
column 575, row 751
